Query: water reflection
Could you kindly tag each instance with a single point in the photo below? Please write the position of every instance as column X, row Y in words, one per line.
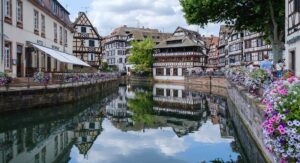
column 163, row 123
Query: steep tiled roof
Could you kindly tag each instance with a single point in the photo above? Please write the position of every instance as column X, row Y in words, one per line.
column 186, row 38
column 140, row 33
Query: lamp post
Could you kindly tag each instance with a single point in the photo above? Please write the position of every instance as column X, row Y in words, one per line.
column 2, row 37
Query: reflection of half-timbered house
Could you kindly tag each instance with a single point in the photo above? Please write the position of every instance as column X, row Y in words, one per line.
column 178, row 101
column 293, row 35
column 184, row 50
column 87, row 41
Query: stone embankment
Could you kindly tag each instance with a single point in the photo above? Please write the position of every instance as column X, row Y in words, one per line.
column 248, row 112
column 53, row 95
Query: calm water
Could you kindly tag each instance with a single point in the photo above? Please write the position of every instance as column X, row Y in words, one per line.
column 134, row 124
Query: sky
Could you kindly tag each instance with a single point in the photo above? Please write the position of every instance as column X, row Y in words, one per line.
column 165, row 15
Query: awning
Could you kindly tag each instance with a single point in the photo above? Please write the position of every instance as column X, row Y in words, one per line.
column 62, row 57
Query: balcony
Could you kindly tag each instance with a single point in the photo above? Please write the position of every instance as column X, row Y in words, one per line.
column 261, row 48
column 251, row 36
column 177, row 54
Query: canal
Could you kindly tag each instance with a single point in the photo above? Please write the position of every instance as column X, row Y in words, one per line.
column 137, row 123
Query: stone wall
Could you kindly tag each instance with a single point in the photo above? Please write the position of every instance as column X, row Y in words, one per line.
column 251, row 115
column 33, row 98
column 214, row 81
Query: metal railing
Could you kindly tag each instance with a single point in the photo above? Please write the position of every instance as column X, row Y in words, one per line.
column 59, row 80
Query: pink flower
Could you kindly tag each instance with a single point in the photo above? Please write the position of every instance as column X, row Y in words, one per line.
column 283, row 92
column 271, row 130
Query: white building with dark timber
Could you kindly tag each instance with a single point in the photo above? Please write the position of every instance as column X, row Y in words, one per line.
column 182, row 52
column 292, row 27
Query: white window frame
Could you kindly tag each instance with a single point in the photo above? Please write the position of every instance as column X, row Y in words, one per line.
column 7, row 57
column 36, row 19
column 19, row 11
column 7, row 8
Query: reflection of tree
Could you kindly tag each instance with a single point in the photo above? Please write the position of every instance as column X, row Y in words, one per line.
column 142, row 108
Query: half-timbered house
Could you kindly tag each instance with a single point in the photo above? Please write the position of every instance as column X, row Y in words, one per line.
column 213, row 55
column 255, row 47
column 224, row 35
column 87, row 41
column 235, row 48
column 293, row 35
column 184, row 51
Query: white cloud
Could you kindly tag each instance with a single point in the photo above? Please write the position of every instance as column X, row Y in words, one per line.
column 164, row 15
column 209, row 133
column 114, row 144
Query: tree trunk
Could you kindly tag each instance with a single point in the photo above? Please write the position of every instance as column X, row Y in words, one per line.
column 277, row 51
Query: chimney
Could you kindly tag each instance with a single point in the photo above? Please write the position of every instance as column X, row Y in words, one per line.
column 125, row 26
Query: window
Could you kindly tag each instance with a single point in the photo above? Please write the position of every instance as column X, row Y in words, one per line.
column 7, row 61
column 255, row 56
column 175, row 72
column 55, row 32
column 91, row 57
column 36, row 20
column 292, row 61
column 168, row 91
column 297, row 5
column 83, row 29
column 19, row 11
column 121, row 52
column 248, row 57
column 60, row 35
column 120, row 60
column 175, row 93
column 168, row 71
column 37, row 158
column 159, row 71
column 8, row 8
column 253, row 43
column 44, row 155
column 66, row 38
column 159, row 92
column 43, row 33
column 91, row 43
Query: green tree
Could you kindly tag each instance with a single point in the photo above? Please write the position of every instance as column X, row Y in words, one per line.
column 142, row 57
column 267, row 16
column 142, row 108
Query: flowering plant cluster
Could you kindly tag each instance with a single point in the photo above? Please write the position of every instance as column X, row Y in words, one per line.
column 250, row 80
column 5, row 79
column 85, row 77
column 41, row 77
column 282, row 125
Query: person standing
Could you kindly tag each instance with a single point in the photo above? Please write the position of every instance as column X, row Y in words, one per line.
column 279, row 68
column 266, row 64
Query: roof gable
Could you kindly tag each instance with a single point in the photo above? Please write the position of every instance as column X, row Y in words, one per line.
column 83, row 20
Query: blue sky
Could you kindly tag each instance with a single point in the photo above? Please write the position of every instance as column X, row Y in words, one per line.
column 106, row 15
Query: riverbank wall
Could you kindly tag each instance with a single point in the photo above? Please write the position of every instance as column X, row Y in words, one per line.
column 248, row 115
column 22, row 99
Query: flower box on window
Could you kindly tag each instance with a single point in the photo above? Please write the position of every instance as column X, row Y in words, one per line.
column 8, row 20
column 36, row 31
column 20, row 24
